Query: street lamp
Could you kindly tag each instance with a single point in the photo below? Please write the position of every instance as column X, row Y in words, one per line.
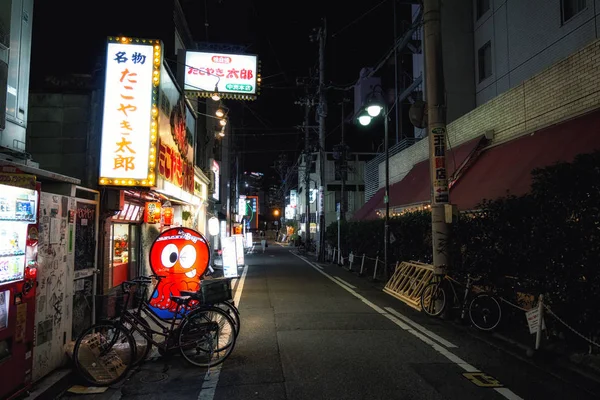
column 364, row 118
column 375, row 106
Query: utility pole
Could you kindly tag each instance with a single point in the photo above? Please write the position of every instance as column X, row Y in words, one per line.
column 343, row 168
column 307, row 165
column 436, row 107
column 397, row 108
column 322, row 35
column 340, row 154
column 307, row 102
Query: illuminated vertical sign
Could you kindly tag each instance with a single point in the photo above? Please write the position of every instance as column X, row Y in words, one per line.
column 129, row 122
column 252, row 212
column 215, row 168
column 293, row 198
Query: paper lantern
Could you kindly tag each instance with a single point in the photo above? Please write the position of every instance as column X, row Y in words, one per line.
column 167, row 216
column 213, row 226
column 152, row 211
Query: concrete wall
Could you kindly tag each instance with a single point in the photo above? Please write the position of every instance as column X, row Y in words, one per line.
column 527, row 37
column 551, row 96
column 459, row 61
column 58, row 130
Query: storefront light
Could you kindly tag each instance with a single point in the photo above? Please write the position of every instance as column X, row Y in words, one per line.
column 213, row 226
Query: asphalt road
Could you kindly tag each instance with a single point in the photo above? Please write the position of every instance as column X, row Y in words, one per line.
column 307, row 335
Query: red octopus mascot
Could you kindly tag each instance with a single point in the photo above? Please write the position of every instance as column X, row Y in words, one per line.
column 182, row 255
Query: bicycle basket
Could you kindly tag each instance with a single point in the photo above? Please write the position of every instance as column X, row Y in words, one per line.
column 215, row 290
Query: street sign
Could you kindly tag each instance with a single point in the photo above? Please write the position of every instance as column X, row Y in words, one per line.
column 533, row 320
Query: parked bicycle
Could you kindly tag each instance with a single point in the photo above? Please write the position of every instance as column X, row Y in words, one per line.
column 204, row 334
column 482, row 307
column 308, row 246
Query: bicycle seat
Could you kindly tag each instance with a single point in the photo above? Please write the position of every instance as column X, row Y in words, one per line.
column 180, row 299
column 188, row 294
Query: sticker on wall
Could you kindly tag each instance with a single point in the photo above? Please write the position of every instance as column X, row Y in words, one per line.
column 181, row 255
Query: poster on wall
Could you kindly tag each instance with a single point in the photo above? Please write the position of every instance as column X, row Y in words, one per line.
column 229, row 257
column 85, row 235
column 54, row 294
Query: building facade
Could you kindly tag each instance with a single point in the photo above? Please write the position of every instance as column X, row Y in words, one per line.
column 354, row 188
column 537, row 93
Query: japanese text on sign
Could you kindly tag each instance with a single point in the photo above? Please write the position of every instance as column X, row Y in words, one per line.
column 127, row 111
column 174, row 168
column 231, row 73
column 439, row 175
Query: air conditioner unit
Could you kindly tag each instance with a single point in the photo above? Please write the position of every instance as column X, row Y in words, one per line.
column 114, row 200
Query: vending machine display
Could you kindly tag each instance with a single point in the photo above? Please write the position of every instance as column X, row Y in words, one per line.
column 17, row 210
column 19, row 194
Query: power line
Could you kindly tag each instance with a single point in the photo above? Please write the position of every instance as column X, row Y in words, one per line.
column 270, row 44
column 389, row 53
column 359, row 18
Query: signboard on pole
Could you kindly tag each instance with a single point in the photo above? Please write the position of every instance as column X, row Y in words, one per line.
column 439, row 174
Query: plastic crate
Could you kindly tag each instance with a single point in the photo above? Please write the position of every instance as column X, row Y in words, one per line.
column 214, row 291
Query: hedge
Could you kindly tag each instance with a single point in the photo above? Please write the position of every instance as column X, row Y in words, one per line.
column 549, row 239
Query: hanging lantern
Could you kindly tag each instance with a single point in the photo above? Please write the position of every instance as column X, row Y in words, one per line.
column 167, row 213
column 152, row 212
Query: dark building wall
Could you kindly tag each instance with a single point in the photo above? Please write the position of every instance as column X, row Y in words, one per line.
column 59, row 134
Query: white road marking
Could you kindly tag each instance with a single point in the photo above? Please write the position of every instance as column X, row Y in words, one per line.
column 507, row 393
column 344, row 282
column 421, row 328
column 211, row 378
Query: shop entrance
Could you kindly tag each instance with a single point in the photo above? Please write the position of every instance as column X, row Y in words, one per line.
column 125, row 252
column 125, row 244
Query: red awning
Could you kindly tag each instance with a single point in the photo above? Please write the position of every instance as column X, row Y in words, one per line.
column 416, row 186
column 367, row 211
column 507, row 167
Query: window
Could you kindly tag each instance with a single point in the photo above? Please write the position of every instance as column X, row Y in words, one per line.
column 484, row 60
column 482, row 7
column 570, row 8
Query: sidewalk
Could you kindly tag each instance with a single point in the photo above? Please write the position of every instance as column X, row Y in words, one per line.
column 577, row 366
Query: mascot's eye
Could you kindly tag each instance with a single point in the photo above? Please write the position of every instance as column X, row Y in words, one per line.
column 169, row 255
column 187, row 258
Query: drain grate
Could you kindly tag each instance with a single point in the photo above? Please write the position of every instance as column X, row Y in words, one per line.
column 154, row 377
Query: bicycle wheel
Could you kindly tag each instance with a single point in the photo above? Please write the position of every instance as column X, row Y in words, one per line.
column 140, row 333
column 485, row 312
column 104, row 353
column 207, row 336
column 233, row 312
column 433, row 299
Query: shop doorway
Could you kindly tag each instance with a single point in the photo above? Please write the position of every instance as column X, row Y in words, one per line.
column 125, row 244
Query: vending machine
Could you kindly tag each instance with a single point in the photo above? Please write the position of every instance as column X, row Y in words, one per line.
column 19, row 199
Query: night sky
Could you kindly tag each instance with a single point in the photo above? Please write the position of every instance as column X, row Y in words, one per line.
column 69, row 37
